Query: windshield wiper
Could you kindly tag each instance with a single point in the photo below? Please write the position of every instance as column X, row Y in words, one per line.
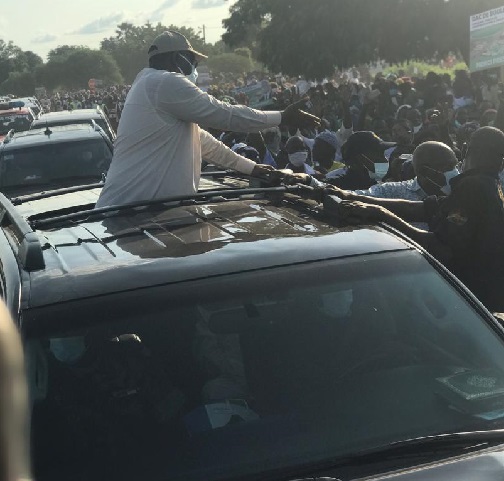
column 426, row 447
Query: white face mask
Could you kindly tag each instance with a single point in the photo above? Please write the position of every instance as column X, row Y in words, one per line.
column 380, row 172
column 297, row 159
column 68, row 349
column 193, row 76
column 451, row 174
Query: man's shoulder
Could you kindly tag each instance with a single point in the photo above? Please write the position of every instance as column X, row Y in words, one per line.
column 475, row 186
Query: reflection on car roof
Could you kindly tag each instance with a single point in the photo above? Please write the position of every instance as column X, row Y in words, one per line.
column 136, row 249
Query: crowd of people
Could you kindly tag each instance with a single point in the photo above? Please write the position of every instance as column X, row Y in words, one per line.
column 397, row 145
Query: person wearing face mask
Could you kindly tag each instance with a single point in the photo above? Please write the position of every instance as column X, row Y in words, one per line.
column 366, row 164
column 466, row 226
column 364, row 155
column 298, row 156
column 434, row 165
column 161, row 138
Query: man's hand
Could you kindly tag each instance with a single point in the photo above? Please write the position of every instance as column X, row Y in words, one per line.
column 342, row 194
column 354, row 212
column 295, row 116
column 262, row 171
column 293, row 179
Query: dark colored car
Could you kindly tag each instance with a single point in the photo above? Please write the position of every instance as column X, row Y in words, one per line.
column 241, row 334
column 80, row 116
column 15, row 119
column 50, row 158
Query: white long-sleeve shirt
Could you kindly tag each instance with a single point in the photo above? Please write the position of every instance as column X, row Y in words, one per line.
column 159, row 145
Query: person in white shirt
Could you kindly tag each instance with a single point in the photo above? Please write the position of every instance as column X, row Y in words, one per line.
column 161, row 138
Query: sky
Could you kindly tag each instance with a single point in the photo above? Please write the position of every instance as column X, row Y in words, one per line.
column 41, row 25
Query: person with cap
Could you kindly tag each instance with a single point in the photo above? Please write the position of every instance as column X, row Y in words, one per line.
column 161, row 138
column 466, row 226
column 364, row 156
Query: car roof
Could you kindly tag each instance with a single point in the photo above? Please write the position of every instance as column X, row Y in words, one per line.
column 37, row 137
column 70, row 115
column 134, row 249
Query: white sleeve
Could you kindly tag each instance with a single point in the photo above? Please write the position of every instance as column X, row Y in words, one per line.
column 180, row 98
column 214, row 151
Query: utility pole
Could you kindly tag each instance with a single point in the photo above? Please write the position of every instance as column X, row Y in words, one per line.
column 204, row 33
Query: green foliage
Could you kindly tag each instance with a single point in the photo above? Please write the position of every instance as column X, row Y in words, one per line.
column 314, row 37
column 13, row 59
column 71, row 69
column 421, row 69
column 21, row 84
column 243, row 52
column 229, row 63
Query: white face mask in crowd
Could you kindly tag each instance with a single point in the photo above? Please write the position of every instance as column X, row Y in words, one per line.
column 297, row 159
column 451, row 174
column 380, row 168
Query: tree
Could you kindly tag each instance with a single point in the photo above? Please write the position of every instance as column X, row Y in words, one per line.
column 229, row 63
column 61, row 53
column 21, row 84
column 71, row 69
column 9, row 56
column 312, row 38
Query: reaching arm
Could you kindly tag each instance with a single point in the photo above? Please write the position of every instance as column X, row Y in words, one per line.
column 360, row 212
column 214, row 151
column 406, row 209
column 177, row 96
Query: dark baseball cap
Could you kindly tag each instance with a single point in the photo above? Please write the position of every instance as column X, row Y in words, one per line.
column 364, row 141
column 171, row 41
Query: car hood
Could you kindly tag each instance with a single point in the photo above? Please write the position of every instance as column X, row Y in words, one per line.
column 486, row 466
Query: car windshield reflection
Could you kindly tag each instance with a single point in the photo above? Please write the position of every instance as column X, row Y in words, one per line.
column 262, row 371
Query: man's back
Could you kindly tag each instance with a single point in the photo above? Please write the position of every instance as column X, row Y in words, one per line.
column 156, row 154
column 471, row 222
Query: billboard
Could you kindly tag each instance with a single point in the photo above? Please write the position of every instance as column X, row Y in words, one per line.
column 487, row 39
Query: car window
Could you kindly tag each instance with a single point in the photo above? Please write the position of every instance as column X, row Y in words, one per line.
column 20, row 122
column 204, row 381
column 55, row 162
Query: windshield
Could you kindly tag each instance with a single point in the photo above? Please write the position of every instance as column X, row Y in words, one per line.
column 236, row 376
column 20, row 122
column 54, row 163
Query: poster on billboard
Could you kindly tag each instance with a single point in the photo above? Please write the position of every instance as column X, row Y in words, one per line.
column 487, row 39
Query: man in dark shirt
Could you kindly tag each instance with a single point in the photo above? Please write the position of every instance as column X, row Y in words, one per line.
column 466, row 227
column 364, row 154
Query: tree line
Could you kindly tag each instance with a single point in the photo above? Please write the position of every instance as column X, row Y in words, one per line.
column 295, row 37
column 118, row 60
column 315, row 37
